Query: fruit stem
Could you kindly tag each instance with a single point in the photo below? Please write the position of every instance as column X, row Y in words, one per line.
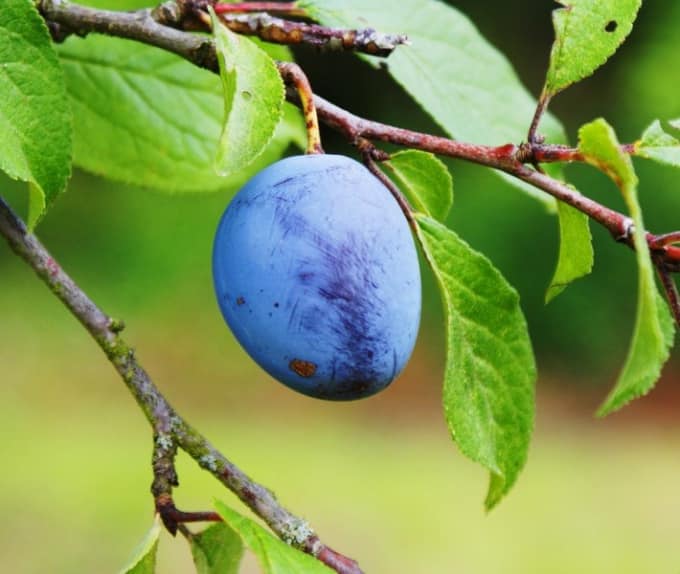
column 368, row 152
column 293, row 75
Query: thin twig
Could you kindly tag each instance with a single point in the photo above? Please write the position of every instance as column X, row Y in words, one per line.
column 158, row 411
column 541, row 107
column 667, row 239
column 279, row 31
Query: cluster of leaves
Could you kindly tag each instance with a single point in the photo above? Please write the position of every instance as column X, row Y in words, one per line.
column 219, row 548
column 136, row 114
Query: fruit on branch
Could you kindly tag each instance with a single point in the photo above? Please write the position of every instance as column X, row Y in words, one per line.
column 317, row 275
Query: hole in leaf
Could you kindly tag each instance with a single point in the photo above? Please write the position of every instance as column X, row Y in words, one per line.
column 611, row 26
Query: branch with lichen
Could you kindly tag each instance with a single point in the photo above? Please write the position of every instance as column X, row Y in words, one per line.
column 170, row 430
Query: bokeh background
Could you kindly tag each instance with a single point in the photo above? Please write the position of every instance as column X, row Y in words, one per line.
column 379, row 479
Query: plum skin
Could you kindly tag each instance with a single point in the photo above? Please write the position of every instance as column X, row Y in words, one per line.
column 317, row 276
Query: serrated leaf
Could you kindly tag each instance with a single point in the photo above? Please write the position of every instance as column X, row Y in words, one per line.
column 35, row 118
column 490, row 370
column 424, row 180
column 149, row 118
column 144, row 557
column 587, row 33
column 659, row 145
column 576, row 250
column 654, row 331
column 467, row 86
column 274, row 556
column 216, row 550
column 253, row 99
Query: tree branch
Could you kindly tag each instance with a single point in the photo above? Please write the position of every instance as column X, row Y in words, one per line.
column 170, row 429
column 279, row 31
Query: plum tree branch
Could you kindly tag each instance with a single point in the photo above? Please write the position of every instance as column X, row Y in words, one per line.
column 171, row 431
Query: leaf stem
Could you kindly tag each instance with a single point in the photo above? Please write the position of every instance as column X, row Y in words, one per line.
column 541, row 108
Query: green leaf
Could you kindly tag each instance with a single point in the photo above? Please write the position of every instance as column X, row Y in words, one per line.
column 144, row 557
column 253, row 99
column 587, row 33
column 490, row 371
column 216, row 550
column 654, row 331
column 424, row 180
column 466, row 85
column 659, row 145
column 576, row 250
column 275, row 556
column 147, row 117
column 35, row 118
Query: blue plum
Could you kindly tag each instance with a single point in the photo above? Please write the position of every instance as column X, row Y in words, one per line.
column 317, row 275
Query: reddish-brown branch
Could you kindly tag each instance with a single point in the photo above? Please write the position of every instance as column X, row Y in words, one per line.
column 552, row 153
column 667, row 239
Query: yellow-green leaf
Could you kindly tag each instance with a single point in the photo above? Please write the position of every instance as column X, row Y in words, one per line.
column 253, row 99
column 216, row 550
column 143, row 560
column 35, row 117
column 654, row 329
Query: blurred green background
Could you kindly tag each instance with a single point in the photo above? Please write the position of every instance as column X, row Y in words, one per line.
column 379, row 479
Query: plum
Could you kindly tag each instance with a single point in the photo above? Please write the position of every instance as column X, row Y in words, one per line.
column 317, row 276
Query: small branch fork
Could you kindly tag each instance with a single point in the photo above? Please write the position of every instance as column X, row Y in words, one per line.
column 164, row 27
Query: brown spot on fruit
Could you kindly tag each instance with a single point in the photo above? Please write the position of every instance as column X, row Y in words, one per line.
column 305, row 369
column 240, row 301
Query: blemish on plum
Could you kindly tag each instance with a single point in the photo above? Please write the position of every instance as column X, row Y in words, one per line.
column 240, row 301
column 303, row 368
